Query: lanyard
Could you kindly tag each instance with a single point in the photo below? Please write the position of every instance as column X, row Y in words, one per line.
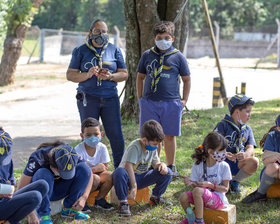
column 99, row 56
column 204, row 171
column 157, row 71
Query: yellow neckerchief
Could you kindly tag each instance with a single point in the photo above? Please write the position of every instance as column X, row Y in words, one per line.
column 99, row 56
column 5, row 148
column 157, row 71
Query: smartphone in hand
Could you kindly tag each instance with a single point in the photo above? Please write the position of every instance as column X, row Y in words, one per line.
column 103, row 70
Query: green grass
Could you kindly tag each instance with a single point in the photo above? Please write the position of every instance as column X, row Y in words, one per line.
column 195, row 126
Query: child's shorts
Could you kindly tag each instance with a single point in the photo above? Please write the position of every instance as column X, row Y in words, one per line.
column 210, row 199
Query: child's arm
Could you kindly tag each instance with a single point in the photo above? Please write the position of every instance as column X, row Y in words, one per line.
column 133, row 184
column 139, row 84
column 186, row 89
column 269, row 157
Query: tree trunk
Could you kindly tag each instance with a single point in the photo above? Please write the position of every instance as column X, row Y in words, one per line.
column 141, row 16
column 12, row 48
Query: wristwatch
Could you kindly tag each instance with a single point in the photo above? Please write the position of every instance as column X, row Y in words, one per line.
column 111, row 78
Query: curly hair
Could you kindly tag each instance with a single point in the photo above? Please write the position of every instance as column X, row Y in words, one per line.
column 164, row 27
column 213, row 141
column 262, row 141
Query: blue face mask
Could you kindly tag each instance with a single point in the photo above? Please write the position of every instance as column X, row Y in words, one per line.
column 150, row 148
column 92, row 141
column 163, row 44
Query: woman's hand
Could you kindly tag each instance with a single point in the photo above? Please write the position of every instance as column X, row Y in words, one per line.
column 105, row 75
column 93, row 71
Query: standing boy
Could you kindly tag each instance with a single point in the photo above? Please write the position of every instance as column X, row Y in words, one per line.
column 133, row 172
column 241, row 140
column 158, row 87
column 97, row 157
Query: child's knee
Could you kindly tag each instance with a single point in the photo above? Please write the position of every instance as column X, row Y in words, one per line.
column 198, row 192
column 272, row 169
column 184, row 198
column 107, row 177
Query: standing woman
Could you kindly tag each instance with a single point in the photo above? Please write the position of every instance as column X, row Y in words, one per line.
column 97, row 66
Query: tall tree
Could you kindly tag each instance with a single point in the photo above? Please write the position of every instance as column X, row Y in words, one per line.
column 20, row 15
column 140, row 16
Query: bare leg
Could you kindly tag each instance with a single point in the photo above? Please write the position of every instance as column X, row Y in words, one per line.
column 198, row 202
column 170, row 149
column 159, row 150
column 106, row 181
column 184, row 200
column 95, row 183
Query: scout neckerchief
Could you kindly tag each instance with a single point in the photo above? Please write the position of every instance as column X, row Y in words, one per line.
column 157, row 71
column 99, row 56
column 240, row 131
column 5, row 148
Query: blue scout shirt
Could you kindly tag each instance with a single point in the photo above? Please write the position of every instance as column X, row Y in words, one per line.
column 238, row 137
column 168, row 85
column 272, row 142
column 84, row 58
column 38, row 159
column 7, row 174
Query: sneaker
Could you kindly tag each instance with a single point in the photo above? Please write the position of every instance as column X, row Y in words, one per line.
column 184, row 221
column 102, row 203
column 174, row 170
column 125, row 209
column 234, row 187
column 46, row 219
column 159, row 201
column 86, row 209
column 254, row 197
column 72, row 213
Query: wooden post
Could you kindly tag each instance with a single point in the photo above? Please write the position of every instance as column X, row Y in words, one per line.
column 217, row 99
column 208, row 21
column 243, row 88
column 217, row 34
column 278, row 45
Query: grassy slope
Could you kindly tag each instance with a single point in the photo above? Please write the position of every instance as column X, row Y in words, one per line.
column 194, row 127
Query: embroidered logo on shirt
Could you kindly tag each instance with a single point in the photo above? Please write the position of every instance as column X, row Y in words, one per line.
column 2, row 150
column 31, row 166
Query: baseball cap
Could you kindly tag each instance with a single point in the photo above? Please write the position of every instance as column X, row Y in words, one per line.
column 237, row 100
column 277, row 121
column 5, row 148
column 66, row 160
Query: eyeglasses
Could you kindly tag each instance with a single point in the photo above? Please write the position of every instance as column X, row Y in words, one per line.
column 97, row 31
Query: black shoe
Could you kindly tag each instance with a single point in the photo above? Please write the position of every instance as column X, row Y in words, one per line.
column 174, row 170
column 254, row 197
column 103, row 204
column 86, row 209
column 234, row 187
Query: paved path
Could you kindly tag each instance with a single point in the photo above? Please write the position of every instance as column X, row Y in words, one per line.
column 33, row 116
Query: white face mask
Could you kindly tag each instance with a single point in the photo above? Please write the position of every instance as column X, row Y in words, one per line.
column 239, row 120
column 219, row 157
column 163, row 44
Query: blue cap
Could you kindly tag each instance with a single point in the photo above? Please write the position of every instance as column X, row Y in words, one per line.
column 277, row 121
column 66, row 160
column 5, row 148
column 237, row 100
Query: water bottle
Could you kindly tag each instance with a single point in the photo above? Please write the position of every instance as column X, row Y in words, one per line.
column 190, row 215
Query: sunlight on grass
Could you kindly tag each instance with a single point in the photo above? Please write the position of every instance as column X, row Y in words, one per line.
column 195, row 126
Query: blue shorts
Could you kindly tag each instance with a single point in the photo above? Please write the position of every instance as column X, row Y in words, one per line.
column 167, row 113
column 233, row 167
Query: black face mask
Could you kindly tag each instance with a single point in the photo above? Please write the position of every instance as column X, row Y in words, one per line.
column 100, row 38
